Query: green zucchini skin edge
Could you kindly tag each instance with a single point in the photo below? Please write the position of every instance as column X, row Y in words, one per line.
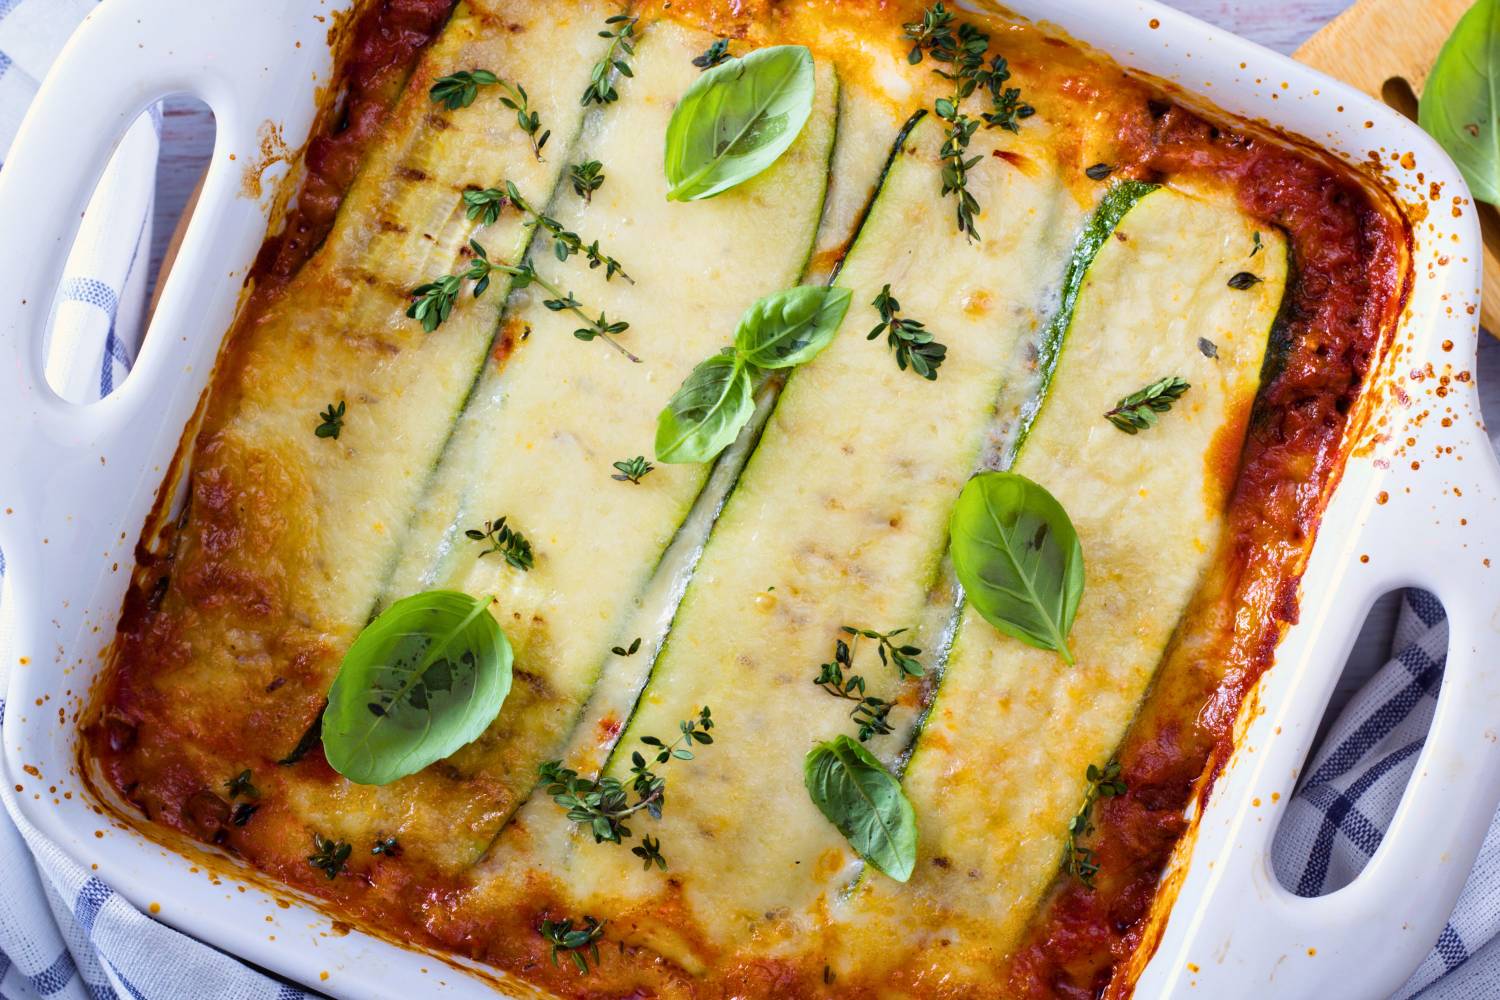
column 1117, row 203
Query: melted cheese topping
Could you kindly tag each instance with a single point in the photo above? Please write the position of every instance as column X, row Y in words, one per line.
column 834, row 509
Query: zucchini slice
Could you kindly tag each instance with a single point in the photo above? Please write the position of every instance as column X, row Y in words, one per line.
column 537, row 441
column 839, row 518
column 1003, row 755
column 288, row 535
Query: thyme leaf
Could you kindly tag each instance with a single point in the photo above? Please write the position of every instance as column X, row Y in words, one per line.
column 432, row 302
column 509, row 543
column 604, row 805
column 713, row 55
column 586, row 177
column 329, row 856
column 1103, row 783
column 458, row 90
column 332, row 421
column 1137, row 411
column 578, row 943
column 620, row 29
column 632, row 470
column 915, row 347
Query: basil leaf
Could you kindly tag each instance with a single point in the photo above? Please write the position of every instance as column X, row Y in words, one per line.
column 1459, row 106
column 703, row 417
column 1018, row 558
column 791, row 327
column 423, row 679
column 737, row 119
column 864, row 800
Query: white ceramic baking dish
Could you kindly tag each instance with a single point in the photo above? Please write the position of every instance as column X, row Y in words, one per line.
column 1417, row 506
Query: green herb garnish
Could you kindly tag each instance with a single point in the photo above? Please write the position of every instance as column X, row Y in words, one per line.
column 865, row 802
column 1138, row 411
column 423, row 679
column 634, row 648
column 1460, row 103
column 486, row 204
column 388, row 846
column 620, row 30
column 433, row 302
column 586, row 177
column 632, row 470
column 329, row 856
column 713, row 55
column 578, row 943
column 605, row 804
column 505, row 541
column 963, row 47
column 458, row 90
column 780, row 330
column 1017, row 555
column 869, row 713
column 737, row 119
column 332, row 421
column 1082, row 862
column 1258, row 246
column 240, row 785
column 914, row 346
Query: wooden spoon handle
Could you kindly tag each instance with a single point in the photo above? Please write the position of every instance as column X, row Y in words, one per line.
column 1386, row 48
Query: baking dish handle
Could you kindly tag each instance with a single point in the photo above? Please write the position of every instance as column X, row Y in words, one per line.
column 121, row 60
column 1236, row 931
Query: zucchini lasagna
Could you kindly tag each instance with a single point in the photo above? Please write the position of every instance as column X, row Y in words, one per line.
column 764, row 499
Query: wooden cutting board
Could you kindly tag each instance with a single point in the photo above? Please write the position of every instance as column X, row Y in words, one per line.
column 1386, row 48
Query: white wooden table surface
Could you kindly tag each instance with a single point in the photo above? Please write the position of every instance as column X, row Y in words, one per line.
column 1278, row 24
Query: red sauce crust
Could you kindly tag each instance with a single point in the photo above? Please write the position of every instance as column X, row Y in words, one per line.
column 1350, row 259
column 383, row 45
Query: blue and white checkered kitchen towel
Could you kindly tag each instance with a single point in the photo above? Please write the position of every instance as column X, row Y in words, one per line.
column 65, row 934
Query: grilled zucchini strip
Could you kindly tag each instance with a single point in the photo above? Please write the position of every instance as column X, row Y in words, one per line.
column 289, row 535
column 1003, row 755
column 537, row 442
column 839, row 518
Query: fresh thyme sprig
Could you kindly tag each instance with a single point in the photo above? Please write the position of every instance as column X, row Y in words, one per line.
column 870, row 713
column 1104, row 783
column 1258, row 245
column 914, row 346
column 387, row 846
column 458, row 90
column 578, row 943
column 937, row 22
column 433, row 302
column 620, row 29
column 587, row 177
column 486, row 204
column 604, row 805
column 1137, row 411
column 631, row 650
column 964, row 47
column 836, row 677
column 332, row 421
column 511, row 545
column 902, row 657
column 713, row 55
column 632, row 470
column 240, row 785
column 329, row 856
